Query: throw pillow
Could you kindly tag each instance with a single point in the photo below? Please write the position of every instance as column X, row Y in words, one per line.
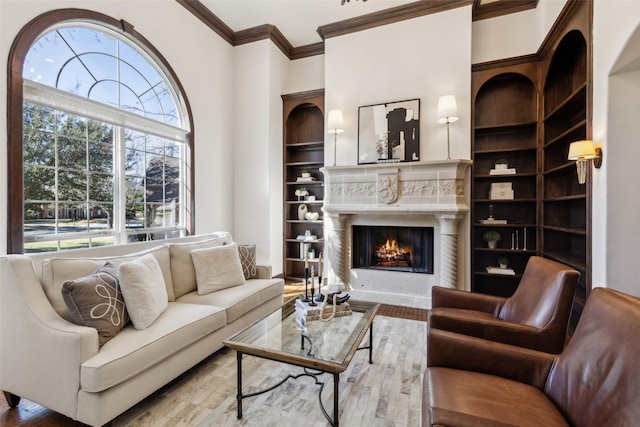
column 217, row 268
column 248, row 260
column 96, row 301
column 144, row 291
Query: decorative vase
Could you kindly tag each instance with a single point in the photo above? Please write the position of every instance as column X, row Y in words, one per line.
column 491, row 244
column 503, row 265
column 312, row 216
column 306, row 174
column 302, row 212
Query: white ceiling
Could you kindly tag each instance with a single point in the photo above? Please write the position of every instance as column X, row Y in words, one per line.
column 298, row 20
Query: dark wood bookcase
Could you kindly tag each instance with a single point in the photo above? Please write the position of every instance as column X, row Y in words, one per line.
column 303, row 132
column 505, row 127
column 528, row 110
column 566, row 207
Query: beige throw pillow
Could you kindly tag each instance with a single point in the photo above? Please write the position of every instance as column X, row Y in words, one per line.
column 144, row 291
column 217, row 268
column 96, row 301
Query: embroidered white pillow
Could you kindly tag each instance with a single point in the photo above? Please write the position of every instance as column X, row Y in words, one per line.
column 143, row 289
column 217, row 268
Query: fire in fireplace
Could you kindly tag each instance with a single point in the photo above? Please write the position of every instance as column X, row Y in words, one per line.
column 407, row 249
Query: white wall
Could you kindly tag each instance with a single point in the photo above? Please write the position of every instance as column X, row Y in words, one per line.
column 400, row 61
column 616, row 94
column 203, row 64
column 515, row 34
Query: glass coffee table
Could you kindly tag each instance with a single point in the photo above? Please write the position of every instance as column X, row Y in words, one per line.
column 321, row 347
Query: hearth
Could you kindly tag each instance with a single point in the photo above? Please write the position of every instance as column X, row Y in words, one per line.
column 408, row 249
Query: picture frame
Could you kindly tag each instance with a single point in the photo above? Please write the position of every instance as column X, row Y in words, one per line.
column 389, row 132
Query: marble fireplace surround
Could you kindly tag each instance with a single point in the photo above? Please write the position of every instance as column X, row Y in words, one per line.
column 418, row 194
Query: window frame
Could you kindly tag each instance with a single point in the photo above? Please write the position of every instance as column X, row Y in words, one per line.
column 17, row 55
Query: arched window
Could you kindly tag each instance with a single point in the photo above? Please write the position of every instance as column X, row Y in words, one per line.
column 104, row 139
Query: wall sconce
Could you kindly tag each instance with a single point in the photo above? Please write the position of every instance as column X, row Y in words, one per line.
column 447, row 113
column 582, row 152
column 334, row 126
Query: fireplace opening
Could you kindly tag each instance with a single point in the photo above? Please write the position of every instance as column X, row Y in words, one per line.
column 408, row 249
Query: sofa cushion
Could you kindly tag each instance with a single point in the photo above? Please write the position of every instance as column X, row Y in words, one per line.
column 248, row 260
column 57, row 270
column 457, row 397
column 96, row 301
column 182, row 269
column 217, row 268
column 132, row 351
column 239, row 300
column 144, row 291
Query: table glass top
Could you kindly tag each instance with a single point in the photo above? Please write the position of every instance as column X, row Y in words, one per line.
column 279, row 336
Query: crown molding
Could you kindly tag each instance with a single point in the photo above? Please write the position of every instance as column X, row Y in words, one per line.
column 389, row 16
column 371, row 20
column 507, row 62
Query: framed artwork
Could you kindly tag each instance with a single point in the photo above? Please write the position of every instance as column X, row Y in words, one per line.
column 389, row 132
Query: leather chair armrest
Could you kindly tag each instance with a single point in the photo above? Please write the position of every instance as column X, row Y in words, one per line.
column 456, row 351
column 523, row 336
column 455, row 298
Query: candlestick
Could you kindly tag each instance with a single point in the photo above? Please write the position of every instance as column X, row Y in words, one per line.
column 320, row 269
column 306, row 279
column 525, row 239
column 313, row 290
column 517, row 241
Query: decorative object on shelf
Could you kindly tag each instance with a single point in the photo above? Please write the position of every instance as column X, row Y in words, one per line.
column 302, row 212
column 504, row 271
column 389, row 132
column 491, row 220
column 501, row 191
column 301, row 192
column 582, row 152
column 312, row 216
column 524, row 235
column 306, row 173
column 491, row 237
column 503, row 262
column 515, row 241
column 447, row 113
column 311, row 198
column 312, row 253
column 501, row 167
column 334, row 124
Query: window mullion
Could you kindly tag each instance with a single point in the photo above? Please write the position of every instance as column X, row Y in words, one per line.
column 120, row 187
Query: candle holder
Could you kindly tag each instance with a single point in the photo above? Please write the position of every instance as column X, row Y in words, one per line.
column 313, row 291
column 306, row 285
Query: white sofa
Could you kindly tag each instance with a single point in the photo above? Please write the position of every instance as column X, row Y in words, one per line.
column 60, row 365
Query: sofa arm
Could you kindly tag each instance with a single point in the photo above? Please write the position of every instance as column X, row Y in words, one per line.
column 39, row 351
column 451, row 350
column 455, row 298
column 263, row 272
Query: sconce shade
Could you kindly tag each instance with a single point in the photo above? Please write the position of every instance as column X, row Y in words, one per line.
column 582, row 150
column 447, row 109
column 334, row 122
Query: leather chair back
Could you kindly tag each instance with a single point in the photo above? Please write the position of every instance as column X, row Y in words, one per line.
column 595, row 381
column 544, row 295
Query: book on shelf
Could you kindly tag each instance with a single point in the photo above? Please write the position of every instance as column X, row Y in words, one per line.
column 508, row 171
column 499, row 270
column 501, row 191
column 301, row 179
column 493, row 221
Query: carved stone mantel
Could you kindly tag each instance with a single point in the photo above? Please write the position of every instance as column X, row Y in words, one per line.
column 434, row 189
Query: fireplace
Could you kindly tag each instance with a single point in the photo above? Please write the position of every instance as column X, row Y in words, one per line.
column 408, row 249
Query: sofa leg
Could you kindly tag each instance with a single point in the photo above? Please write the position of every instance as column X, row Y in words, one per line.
column 12, row 399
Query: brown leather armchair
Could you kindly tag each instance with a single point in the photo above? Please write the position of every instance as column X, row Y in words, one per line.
column 470, row 381
column 536, row 316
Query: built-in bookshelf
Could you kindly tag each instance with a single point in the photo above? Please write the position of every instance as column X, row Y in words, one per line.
column 303, row 132
column 504, row 175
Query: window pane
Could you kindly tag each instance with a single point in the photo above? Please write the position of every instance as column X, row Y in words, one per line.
column 38, row 219
column 135, row 140
column 100, row 157
column 135, row 216
column 37, row 117
column 72, row 218
column 72, row 186
column 101, row 188
column 134, row 163
column 39, row 183
column 161, row 215
column 100, row 132
column 135, row 191
column 101, row 217
column 38, row 148
column 72, row 153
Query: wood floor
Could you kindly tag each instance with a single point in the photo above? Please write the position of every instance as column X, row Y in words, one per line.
column 386, row 393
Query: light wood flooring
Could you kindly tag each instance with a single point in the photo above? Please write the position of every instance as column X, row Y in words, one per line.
column 386, row 393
